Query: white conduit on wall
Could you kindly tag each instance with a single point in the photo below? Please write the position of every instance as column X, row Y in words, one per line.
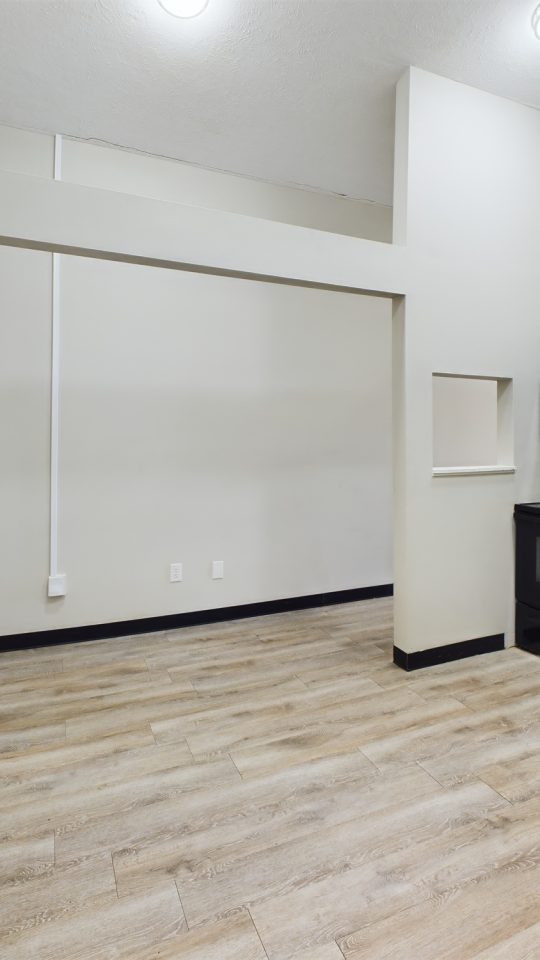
column 57, row 581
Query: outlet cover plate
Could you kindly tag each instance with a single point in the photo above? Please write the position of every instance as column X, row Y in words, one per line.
column 218, row 569
column 57, row 585
column 176, row 573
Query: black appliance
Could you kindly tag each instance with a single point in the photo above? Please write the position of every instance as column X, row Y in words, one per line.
column 527, row 519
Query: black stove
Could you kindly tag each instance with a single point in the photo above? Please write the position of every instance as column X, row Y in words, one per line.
column 527, row 518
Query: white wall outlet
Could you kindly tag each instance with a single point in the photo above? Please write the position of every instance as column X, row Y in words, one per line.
column 57, row 585
column 176, row 574
column 218, row 569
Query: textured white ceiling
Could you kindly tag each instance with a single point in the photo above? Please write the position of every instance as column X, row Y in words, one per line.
column 295, row 91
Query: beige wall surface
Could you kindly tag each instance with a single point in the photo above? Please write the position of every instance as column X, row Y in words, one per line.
column 202, row 418
column 470, row 209
column 23, row 151
column 126, row 171
column 464, row 422
column 25, row 348
column 114, row 169
column 467, row 195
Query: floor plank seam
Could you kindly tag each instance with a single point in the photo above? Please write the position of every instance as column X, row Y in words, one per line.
column 114, row 875
column 413, row 904
column 235, row 767
column 506, row 799
column 382, row 649
column 377, row 769
column 379, row 685
column 433, row 777
column 475, row 777
column 185, row 740
column 257, row 932
column 147, row 668
column 466, row 705
column 168, row 672
column 184, row 914
column 340, row 950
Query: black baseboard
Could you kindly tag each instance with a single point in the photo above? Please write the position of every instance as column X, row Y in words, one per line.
column 452, row 651
column 125, row 628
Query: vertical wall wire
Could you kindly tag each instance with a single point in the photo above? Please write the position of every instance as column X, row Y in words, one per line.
column 54, row 587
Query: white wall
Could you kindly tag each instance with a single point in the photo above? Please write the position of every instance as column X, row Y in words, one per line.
column 125, row 171
column 203, row 418
column 114, row 169
column 465, row 428
column 467, row 201
column 25, row 346
column 23, row 151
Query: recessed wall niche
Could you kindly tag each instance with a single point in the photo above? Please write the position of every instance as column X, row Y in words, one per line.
column 472, row 425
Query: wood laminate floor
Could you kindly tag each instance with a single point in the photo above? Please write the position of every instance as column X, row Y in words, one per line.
column 271, row 788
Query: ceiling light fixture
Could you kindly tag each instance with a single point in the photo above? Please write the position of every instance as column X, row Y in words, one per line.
column 186, row 9
column 536, row 22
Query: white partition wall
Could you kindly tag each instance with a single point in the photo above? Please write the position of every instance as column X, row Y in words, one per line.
column 467, row 205
column 213, row 418
column 225, row 395
column 202, row 418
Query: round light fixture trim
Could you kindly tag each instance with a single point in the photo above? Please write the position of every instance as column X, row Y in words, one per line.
column 536, row 22
column 184, row 9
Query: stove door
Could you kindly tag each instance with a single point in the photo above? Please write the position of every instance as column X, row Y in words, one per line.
column 528, row 560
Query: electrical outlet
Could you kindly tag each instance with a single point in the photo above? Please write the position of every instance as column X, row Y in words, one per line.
column 218, row 569
column 57, row 585
column 176, row 573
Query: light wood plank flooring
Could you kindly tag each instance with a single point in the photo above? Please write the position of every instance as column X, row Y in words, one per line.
column 268, row 789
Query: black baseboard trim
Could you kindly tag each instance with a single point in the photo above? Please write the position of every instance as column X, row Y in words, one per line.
column 452, row 651
column 173, row 621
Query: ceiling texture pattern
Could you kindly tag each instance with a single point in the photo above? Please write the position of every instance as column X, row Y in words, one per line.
column 293, row 91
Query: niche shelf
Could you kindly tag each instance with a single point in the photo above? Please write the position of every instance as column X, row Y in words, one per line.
column 472, row 425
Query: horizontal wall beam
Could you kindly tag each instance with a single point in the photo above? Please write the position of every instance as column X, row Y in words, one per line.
column 70, row 218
